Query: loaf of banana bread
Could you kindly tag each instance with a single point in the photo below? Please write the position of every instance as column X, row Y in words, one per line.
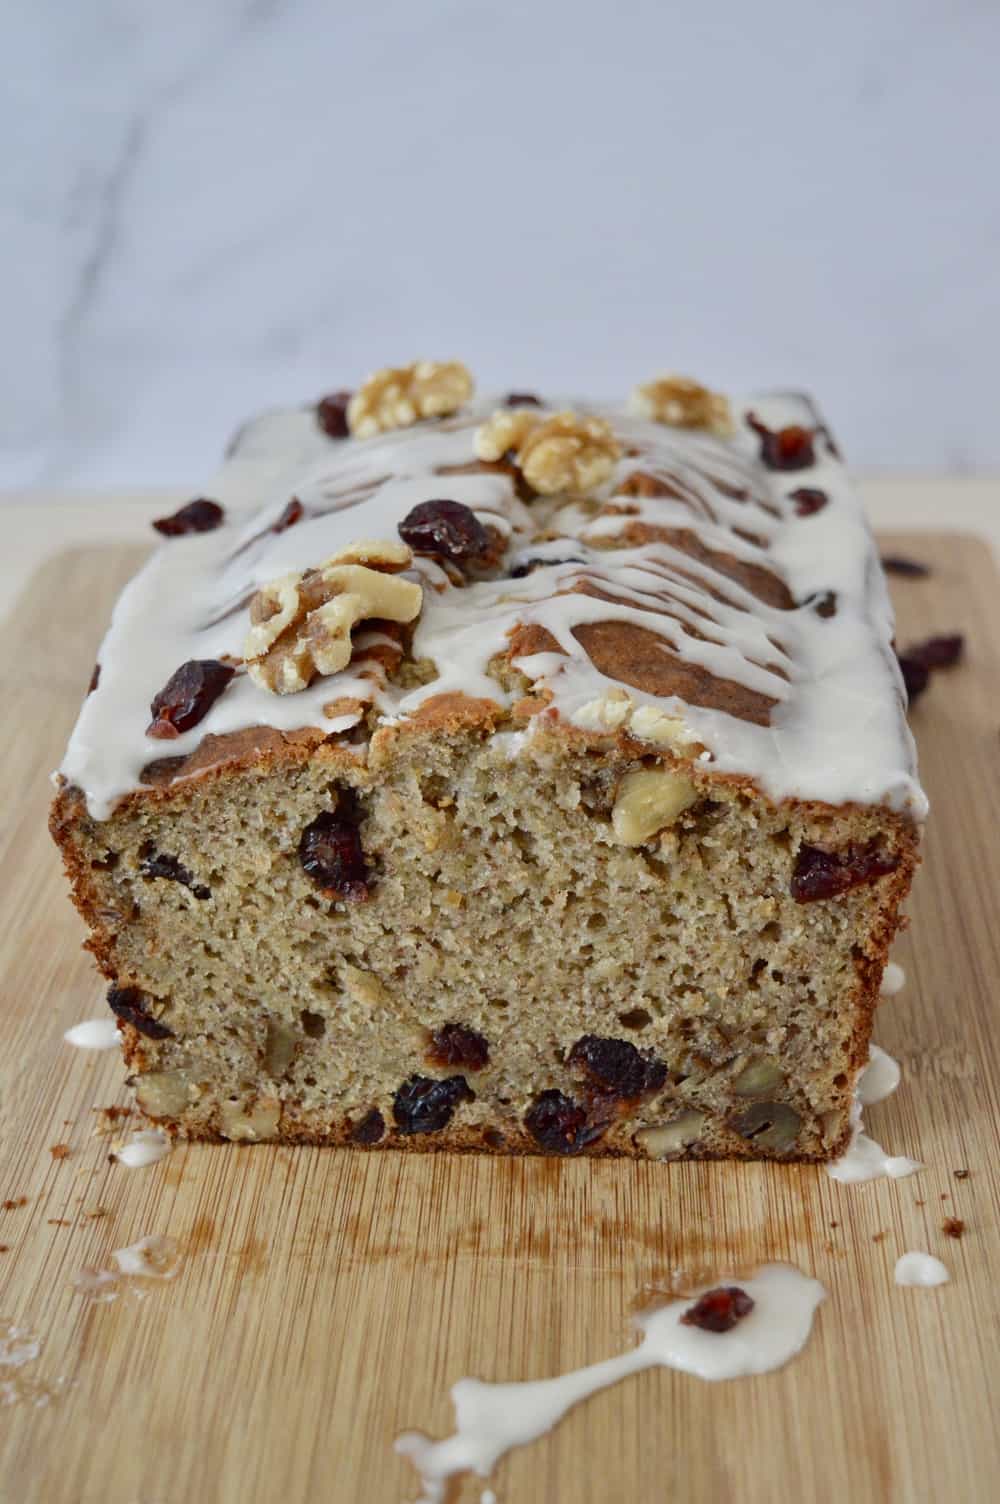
column 508, row 775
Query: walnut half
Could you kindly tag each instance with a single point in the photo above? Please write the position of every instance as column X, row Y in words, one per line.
column 398, row 396
column 301, row 624
column 682, row 403
column 564, row 452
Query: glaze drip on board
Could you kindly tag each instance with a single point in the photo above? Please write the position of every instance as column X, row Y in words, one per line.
column 836, row 729
column 491, row 1419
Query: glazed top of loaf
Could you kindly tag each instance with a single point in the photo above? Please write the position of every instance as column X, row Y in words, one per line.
column 710, row 587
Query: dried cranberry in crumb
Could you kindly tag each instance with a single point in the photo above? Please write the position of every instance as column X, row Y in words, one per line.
column 522, row 399
column 808, row 500
column 789, row 448
column 909, row 568
column 825, row 874
column 559, row 1124
column 423, row 1106
column 528, row 566
column 330, row 852
column 331, row 415
column 188, row 696
column 289, row 517
column 159, row 864
column 719, row 1310
column 370, row 1129
column 454, row 1044
column 447, row 528
column 129, row 1004
column 201, row 516
column 617, row 1066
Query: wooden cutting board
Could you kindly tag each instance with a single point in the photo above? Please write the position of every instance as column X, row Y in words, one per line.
column 327, row 1300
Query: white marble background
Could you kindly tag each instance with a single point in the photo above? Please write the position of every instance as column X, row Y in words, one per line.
column 211, row 206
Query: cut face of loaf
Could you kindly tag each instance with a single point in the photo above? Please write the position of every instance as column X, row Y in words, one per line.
column 500, row 777
column 490, row 935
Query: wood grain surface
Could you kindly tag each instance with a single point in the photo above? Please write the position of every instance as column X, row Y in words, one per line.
column 327, row 1299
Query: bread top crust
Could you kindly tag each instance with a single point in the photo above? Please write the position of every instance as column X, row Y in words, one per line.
column 697, row 599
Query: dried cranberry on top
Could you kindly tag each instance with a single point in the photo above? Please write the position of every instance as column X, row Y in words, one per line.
column 719, row 1310
column 331, row 415
column 560, row 1125
column 129, row 1004
column 188, row 696
column 617, row 1067
column 199, row 516
column 330, row 852
column 522, row 399
column 528, row 566
column 423, row 1106
column 790, row 448
column 95, row 679
column 446, row 528
column 289, row 517
column 808, row 500
column 826, row 874
column 916, row 676
column 454, row 1044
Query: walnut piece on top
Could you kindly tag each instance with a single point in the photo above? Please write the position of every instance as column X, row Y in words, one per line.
column 682, row 403
column 301, row 624
column 398, row 396
column 563, row 452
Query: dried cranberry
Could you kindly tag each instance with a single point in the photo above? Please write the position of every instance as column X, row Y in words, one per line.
column 158, row 864
column 129, row 1004
column 824, row 604
column 528, row 566
column 423, row 1106
column 825, row 874
column 560, row 1125
column 938, row 652
column 447, row 528
column 522, row 399
column 789, row 448
column 289, row 517
column 95, row 679
column 330, row 852
column 910, row 568
column 617, row 1067
column 370, row 1128
column 188, row 696
column 808, row 500
column 454, row 1044
column 916, row 676
column 200, row 516
column 719, row 1310
column 331, row 415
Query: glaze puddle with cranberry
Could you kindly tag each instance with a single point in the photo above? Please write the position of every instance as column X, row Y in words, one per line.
column 747, row 1329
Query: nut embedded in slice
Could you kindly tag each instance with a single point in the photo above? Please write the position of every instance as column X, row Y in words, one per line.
column 649, row 799
column 398, row 396
column 301, row 624
column 680, row 402
column 565, row 452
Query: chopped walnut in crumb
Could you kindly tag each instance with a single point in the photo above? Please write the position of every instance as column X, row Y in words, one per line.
column 397, row 396
column 682, row 403
column 564, row 452
column 301, row 624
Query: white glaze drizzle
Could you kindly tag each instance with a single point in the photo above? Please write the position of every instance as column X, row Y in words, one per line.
column 145, row 1147
column 837, row 730
column 94, row 1034
column 491, row 1419
column 916, row 1268
column 864, row 1159
column 893, row 979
